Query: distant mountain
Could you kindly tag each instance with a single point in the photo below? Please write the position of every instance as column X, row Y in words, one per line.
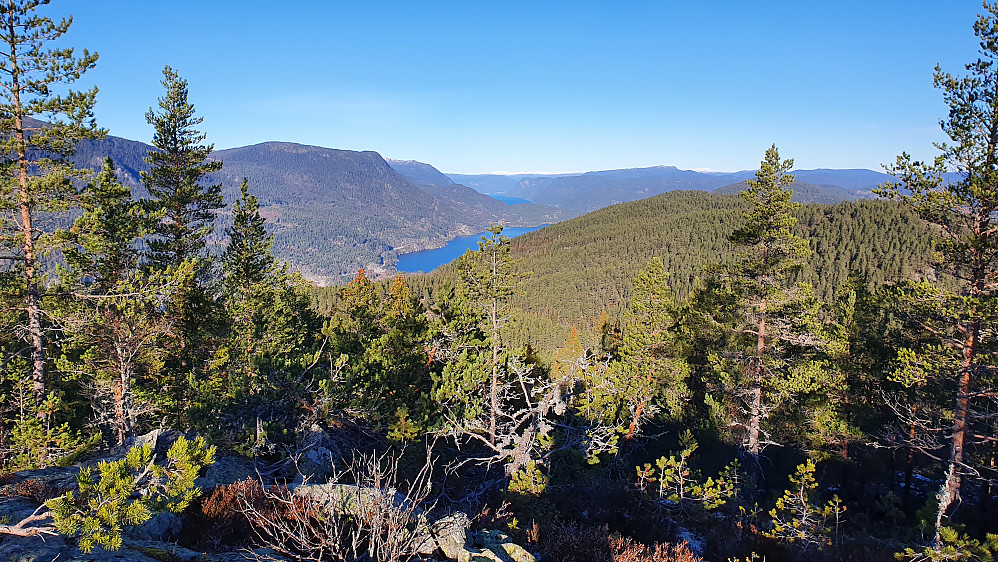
column 126, row 154
column 335, row 211
column 808, row 192
column 512, row 211
column 500, row 184
column 855, row 179
column 418, row 172
column 595, row 190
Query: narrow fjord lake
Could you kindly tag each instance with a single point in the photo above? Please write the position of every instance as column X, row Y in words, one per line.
column 428, row 260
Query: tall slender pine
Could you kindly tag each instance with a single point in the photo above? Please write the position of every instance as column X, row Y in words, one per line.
column 35, row 173
column 963, row 207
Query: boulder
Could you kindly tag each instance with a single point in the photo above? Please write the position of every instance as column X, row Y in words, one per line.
column 494, row 546
column 226, row 470
column 320, row 453
column 449, row 535
column 162, row 526
column 349, row 499
column 160, row 439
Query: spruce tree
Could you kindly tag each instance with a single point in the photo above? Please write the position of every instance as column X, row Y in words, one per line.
column 248, row 286
column 958, row 193
column 107, row 231
column 36, row 176
column 175, row 180
column 247, row 259
column 271, row 328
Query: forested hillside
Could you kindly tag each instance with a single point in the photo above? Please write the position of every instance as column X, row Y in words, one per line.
column 418, row 172
column 579, row 269
column 808, row 192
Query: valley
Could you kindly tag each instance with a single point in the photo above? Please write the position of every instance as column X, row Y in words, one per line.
column 333, row 212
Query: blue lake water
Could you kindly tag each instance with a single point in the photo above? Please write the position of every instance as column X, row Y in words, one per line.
column 428, row 260
column 509, row 200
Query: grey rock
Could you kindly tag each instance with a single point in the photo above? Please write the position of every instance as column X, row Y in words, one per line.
column 349, row 499
column 451, row 533
column 162, row 526
column 494, row 546
column 33, row 549
column 16, row 508
column 226, row 470
column 321, row 452
column 63, row 477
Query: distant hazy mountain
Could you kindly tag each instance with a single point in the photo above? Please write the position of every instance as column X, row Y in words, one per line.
column 335, row 211
column 594, row 190
column 850, row 179
column 808, row 192
column 488, row 183
column 513, row 211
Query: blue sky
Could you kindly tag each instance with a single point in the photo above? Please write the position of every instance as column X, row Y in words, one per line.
column 477, row 86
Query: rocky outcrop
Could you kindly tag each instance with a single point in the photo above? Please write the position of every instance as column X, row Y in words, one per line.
column 347, row 499
column 448, row 536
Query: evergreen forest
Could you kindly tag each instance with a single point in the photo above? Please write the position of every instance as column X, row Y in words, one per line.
column 731, row 376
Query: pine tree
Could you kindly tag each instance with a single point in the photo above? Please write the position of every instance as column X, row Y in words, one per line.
column 490, row 281
column 651, row 355
column 774, row 323
column 120, row 331
column 963, row 207
column 36, row 174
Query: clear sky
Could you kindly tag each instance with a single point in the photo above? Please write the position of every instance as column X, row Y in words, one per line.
column 480, row 86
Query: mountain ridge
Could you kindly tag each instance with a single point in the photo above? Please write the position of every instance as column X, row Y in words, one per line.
column 598, row 189
column 334, row 211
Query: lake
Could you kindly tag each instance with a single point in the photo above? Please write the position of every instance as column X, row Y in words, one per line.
column 509, row 200
column 428, row 260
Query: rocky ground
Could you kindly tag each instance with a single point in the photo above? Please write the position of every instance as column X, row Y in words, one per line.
column 445, row 537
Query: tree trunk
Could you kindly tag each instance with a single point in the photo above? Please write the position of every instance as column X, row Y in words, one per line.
column 909, row 461
column 122, row 398
column 634, row 420
column 755, row 412
column 949, row 492
column 33, row 303
column 494, row 391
